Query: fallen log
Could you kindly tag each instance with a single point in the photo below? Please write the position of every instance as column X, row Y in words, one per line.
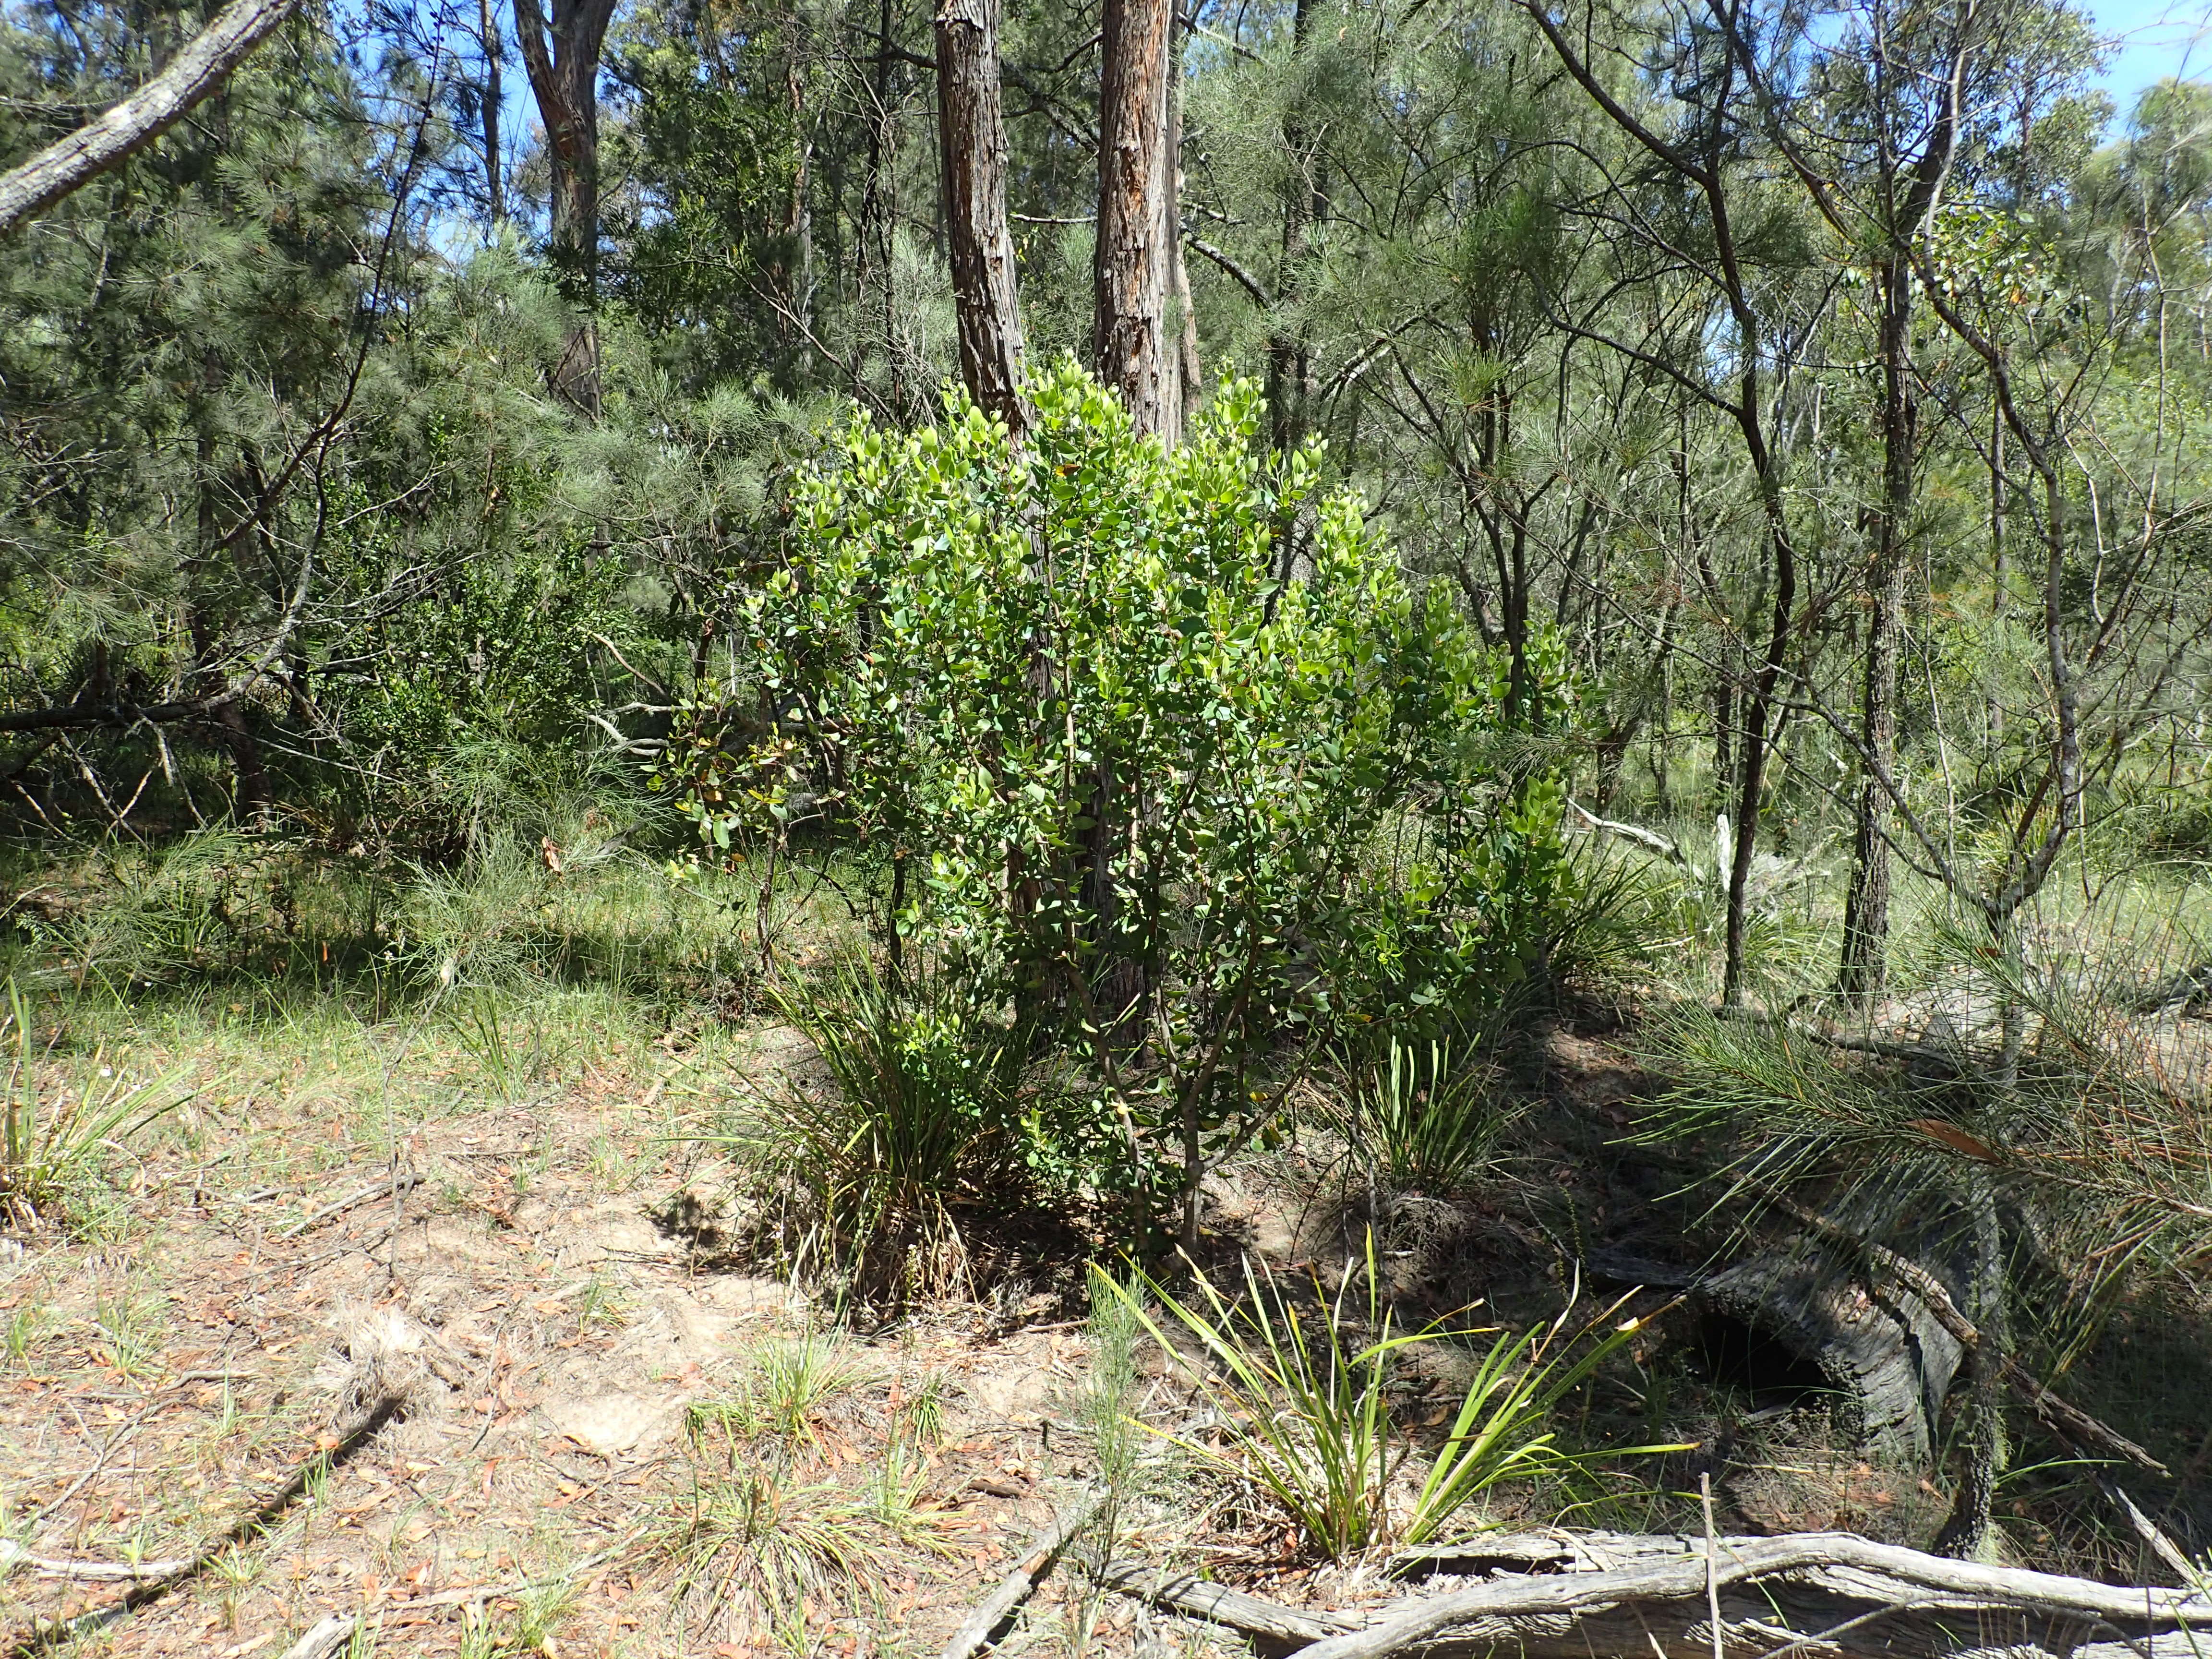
column 1015, row 1588
column 1830, row 1595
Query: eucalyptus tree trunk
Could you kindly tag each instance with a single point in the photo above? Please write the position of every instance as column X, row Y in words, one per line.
column 494, row 55
column 1905, row 212
column 1290, row 359
column 1132, row 267
column 879, row 212
column 1188, row 371
column 564, row 73
column 972, row 140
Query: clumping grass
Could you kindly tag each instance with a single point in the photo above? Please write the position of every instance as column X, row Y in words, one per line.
column 1302, row 1394
column 55, row 1135
column 1422, row 1118
column 925, row 1118
column 783, row 1398
column 766, row 1538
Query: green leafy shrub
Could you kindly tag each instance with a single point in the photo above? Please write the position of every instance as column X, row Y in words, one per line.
column 1119, row 766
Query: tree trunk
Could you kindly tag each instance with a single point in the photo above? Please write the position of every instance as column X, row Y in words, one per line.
column 494, row 55
column 1131, row 269
column 1866, row 907
column 802, row 172
column 564, row 76
column 1289, row 366
column 879, row 212
column 1186, row 367
column 972, row 140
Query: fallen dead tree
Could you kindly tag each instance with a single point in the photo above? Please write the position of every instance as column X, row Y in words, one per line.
column 1824, row 1595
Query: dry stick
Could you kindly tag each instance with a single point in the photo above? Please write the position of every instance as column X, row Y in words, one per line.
column 2069, row 1420
column 324, row 1638
column 14, row 1555
column 1712, row 1560
column 1014, row 1588
column 394, row 1185
column 1179, row 1592
column 2148, row 1529
column 1680, row 1578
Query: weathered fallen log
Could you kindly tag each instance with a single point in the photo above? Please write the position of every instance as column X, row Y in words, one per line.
column 1015, row 1588
column 1829, row 1596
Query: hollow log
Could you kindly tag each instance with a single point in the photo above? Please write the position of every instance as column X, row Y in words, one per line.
column 1826, row 1596
column 1886, row 1354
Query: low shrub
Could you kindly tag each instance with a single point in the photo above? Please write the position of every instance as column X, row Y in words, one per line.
column 1124, row 758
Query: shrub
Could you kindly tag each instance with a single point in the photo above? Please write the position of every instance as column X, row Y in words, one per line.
column 1127, row 748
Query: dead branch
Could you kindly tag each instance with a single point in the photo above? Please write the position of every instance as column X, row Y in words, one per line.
column 1180, row 1592
column 1568, row 1595
column 1886, row 1575
column 391, row 1185
column 91, row 1572
column 324, row 1638
column 1014, row 1588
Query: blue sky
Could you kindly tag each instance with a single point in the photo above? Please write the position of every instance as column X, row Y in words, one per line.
column 2157, row 39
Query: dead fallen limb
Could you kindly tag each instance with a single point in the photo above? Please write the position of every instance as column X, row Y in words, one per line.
column 1830, row 1594
column 1883, row 1573
column 324, row 1637
column 1179, row 1592
column 1650, row 840
column 1014, row 1588
column 90, row 1573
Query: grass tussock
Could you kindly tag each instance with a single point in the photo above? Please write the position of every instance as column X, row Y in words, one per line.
column 1305, row 1392
column 927, row 1117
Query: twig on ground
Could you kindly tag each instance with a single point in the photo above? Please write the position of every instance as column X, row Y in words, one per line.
column 1014, row 1588
column 324, row 1637
column 393, row 1185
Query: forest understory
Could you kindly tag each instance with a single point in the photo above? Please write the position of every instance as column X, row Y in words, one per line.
column 453, row 1318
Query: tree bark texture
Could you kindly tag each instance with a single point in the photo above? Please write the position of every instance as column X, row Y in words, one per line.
column 971, row 127
column 106, row 142
column 1131, row 269
column 1866, row 909
column 564, row 74
column 1866, row 906
column 1290, row 358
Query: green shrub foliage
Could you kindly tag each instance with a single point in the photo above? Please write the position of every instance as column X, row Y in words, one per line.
column 1132, row 729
